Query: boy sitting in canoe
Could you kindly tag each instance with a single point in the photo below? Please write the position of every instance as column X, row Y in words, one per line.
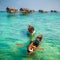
column 34, row 44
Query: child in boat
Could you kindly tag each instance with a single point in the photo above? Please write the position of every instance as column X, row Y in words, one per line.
column 31, row 29
column 34, row 44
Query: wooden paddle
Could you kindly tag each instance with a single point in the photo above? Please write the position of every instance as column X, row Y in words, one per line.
column 19, row 44
column 40, row 48
column 23, row 45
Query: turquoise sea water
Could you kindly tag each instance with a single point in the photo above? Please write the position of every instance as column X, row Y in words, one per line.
column 13, row 30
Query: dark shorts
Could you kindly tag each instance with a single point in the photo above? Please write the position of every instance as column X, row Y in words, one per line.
column 36, row 43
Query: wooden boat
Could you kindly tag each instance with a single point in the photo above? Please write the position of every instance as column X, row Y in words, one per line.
column 34, row 44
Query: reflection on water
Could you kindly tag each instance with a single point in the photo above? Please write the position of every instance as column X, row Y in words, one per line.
column 11, row 15
column 31, row 37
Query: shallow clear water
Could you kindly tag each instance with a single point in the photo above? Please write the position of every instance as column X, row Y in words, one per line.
column 13, row 30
